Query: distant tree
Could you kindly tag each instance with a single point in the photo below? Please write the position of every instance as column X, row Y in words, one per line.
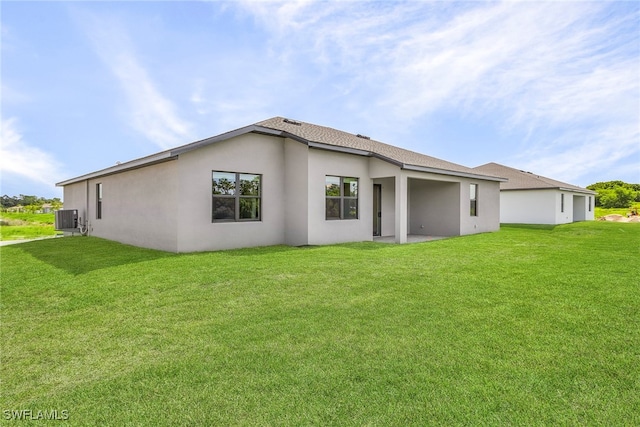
column 29, row 200
column 615, row 194
column 9, row 201
column 56, row 203
column 619, row 197
column 30, row 203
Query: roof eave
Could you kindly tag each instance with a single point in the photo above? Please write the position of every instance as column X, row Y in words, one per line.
column 338, row 148
column 162, row 157
column 227, row 135
column 453, row 173
column 571, row 190
column 170, row 154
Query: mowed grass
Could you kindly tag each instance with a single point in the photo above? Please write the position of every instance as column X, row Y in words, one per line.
column 527, row 326
column 19, row 226
column 600, row 212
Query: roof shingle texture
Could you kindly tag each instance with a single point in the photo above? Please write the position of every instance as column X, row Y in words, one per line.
column 329, row 136
column 522, row 180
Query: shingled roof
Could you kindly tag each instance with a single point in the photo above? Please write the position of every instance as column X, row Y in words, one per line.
column 314, row 136
column 337, row 138
column 523, row 180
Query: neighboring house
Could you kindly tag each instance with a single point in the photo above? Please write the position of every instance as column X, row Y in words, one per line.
column 527, row 198
column 280, row 181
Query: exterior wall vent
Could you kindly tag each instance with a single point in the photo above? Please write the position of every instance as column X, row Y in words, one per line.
column 67, row 220
column 292, row 122
column 363, row 136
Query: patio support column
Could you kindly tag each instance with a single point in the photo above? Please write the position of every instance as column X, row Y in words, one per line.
column 401, row 208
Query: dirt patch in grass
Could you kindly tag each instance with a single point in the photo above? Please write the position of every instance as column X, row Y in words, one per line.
column 620, row 218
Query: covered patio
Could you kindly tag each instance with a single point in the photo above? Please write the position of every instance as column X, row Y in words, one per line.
column 409, row 209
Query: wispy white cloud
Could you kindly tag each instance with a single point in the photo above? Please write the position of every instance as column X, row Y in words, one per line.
column 20, row 159
column 151, row 113
column 563, row 74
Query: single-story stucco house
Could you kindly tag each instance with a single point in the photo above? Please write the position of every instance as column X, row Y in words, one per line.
column 527, row 198
column 281, row 181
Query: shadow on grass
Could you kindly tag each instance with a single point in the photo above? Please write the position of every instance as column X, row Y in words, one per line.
column 80, row 255
column 529, row 226
column 257, row 251
column 270, row 250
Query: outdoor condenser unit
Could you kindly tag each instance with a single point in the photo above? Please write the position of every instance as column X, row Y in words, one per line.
column 67, row 220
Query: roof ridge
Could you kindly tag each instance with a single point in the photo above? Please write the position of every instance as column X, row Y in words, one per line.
column 319, row 134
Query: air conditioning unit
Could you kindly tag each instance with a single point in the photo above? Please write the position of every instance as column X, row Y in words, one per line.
column 67, row 220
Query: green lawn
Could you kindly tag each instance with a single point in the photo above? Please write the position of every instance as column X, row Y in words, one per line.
column 18, row 226
column 528, row 326
column 600, row 212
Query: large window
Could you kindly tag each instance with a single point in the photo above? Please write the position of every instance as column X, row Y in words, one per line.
column 341, row 197
column 236, row 196
column 473, row 199
column 99, row 201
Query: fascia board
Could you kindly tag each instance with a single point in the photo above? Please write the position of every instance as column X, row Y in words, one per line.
column 225, row 136
column 338, row 148
column 568, row 190
column 162, row 157
column 169, row 154
column 453, row 173
column 347, row 150
column 576, row 190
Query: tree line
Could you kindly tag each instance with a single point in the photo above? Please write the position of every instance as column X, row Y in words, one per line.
column 615, row 194
column 610, row 194
column 29, row 203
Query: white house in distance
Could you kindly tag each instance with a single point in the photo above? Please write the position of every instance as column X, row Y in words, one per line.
column 527, row 198
column 281, row 181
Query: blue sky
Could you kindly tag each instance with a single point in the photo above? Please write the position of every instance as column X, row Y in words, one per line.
column 549, row 87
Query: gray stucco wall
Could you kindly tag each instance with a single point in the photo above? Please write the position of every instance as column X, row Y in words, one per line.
column 434, row 207
column 488, row 207
column 296, row 191
column 388, row 205
column 75, row 197
column 321, row 230
column 249, row 153
column 138, row 207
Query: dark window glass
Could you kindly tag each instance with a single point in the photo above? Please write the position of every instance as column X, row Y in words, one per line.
column 341, row 197
column 99, row 201
column 473, row 199
column 332, row 187
column 250, row 208
column 224, row 208
column 333, row 209
column 350, row 209
column 224, row 183
column 249, row 185
column 236, row 196
column 350, row 186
